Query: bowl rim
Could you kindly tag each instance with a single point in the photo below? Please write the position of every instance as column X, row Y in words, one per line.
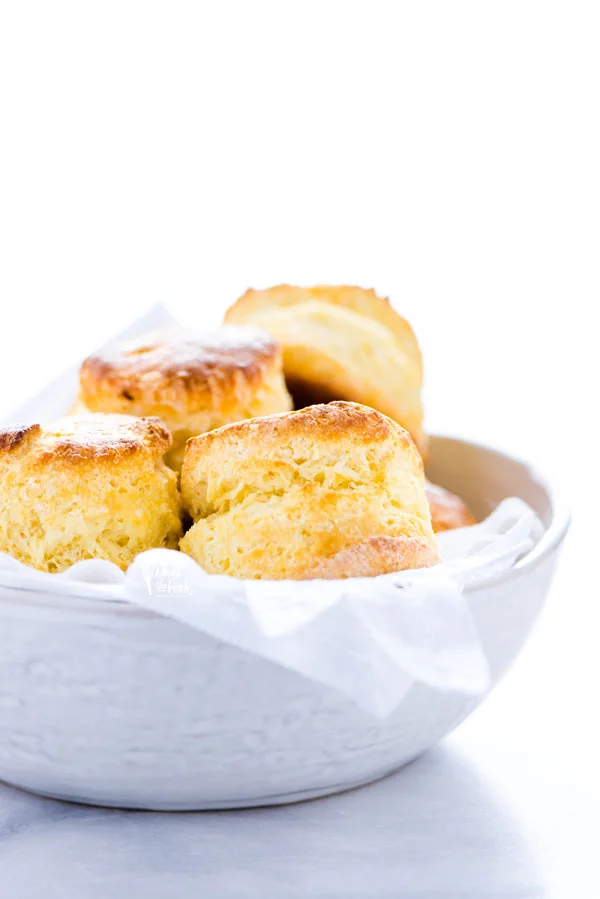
column 553, row 535
column 108, row 595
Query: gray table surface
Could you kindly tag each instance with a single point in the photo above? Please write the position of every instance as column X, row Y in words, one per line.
column 432, row 829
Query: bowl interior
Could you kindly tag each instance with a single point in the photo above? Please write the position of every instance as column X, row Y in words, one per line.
column 484, row 477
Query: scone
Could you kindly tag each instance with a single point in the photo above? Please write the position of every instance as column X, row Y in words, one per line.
column 448, row 511
column 193, row 382
column 330, row 491
column 342, row 343
column 92, row 487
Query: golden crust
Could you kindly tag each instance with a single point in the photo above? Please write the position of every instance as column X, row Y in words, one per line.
column 79, row 439
column 326, row 423
column 14, row 436
column 193, row 382
column 190, row 366
column 448, row 511
column 87, row 487
column 377, row 555
column 342, row 343
column 279, row 497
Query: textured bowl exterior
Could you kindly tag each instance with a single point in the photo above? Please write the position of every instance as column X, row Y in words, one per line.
column 109, row 704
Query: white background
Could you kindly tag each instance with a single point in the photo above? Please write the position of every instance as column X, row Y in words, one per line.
column 447, row 154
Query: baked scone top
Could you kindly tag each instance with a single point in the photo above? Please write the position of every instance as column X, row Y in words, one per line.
column 78, row 439
column 331, row 422
column 194, row 382
column 174, row 366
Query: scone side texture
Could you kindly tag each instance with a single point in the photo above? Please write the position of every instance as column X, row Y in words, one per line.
column 265, row 453
column 274, row 496
column 342, row 343
column 89, row 487
column 364, row 301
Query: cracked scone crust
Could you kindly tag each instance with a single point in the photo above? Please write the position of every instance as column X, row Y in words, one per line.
column 193, row 382
column 329, row 491
column 91, row 487
column 342, row 343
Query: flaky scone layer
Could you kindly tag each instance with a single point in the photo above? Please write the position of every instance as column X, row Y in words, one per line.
column 342, row 343
column 307, row 494
column 92, row 487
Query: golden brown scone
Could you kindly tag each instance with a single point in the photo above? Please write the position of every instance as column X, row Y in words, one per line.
column 93, row 487
column 330, row 491
column 193, row 382
column 342, row 343
column 448, row 511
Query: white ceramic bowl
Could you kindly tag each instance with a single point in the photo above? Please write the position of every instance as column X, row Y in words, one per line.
column 109, row 704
